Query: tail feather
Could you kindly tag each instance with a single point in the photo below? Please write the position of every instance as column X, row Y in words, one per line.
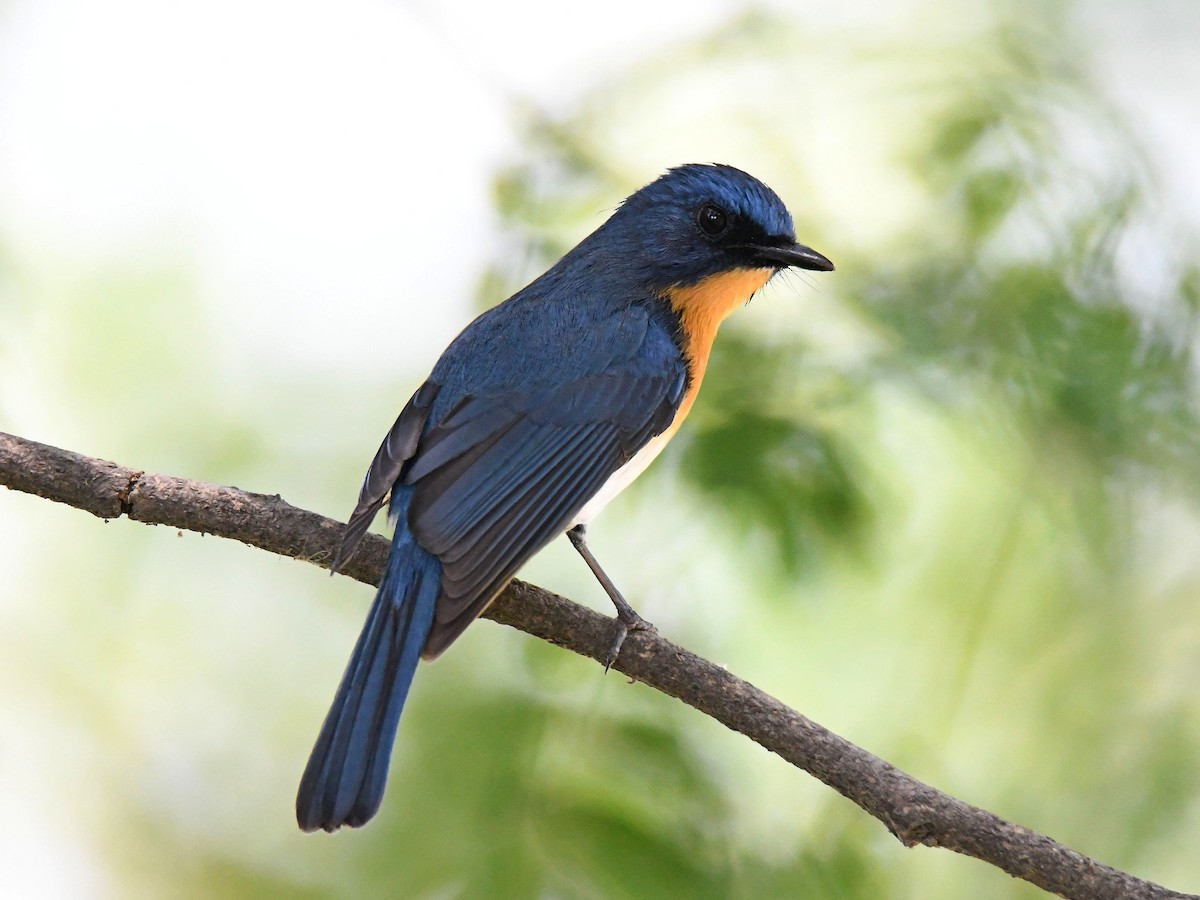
column 344, row 780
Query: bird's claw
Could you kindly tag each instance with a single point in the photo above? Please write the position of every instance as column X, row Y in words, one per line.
column 625, row 624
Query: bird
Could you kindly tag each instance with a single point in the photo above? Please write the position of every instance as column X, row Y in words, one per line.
column 535, row 416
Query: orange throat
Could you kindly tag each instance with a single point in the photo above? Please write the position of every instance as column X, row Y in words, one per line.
column 701, row 308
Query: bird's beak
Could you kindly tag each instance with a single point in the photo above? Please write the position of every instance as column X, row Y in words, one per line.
column 792, row 254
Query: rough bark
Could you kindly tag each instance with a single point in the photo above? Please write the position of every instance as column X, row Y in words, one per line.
column 912, row 811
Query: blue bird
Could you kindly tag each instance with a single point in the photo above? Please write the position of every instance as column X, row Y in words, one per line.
column 537, row 414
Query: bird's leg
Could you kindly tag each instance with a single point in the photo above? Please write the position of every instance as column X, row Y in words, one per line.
column 627, row 619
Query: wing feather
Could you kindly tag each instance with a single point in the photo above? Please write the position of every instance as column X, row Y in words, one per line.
column 508, row 492
column 386, row 468
column 522, row 523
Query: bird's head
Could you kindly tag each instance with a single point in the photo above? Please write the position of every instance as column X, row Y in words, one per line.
column 697, row 221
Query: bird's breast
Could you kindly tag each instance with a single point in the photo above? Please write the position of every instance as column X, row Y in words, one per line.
column 701, row 309
column 624, row 476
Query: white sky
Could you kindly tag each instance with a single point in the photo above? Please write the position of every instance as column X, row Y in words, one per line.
column 316, row 162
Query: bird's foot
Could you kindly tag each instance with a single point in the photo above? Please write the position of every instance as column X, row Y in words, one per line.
column 627, row 620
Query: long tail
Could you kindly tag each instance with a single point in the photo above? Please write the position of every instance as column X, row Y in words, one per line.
column 344, row 780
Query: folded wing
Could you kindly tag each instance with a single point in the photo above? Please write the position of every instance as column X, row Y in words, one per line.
column 500, row 476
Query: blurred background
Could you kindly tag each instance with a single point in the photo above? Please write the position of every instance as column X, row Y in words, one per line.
column 964, row 531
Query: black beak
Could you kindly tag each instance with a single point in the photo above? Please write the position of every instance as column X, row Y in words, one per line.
column 791, row 254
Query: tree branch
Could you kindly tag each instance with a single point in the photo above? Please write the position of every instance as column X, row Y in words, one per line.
column 912, row 811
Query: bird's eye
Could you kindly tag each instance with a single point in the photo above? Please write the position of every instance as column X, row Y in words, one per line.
column 712, row 219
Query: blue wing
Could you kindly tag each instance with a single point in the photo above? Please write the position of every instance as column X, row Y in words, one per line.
column 395, row 451
column 499, row 477
column 539, row 404
column 524, row 418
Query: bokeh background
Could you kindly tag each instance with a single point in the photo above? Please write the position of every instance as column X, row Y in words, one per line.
column 945, row 501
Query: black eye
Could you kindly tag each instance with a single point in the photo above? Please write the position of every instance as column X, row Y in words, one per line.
column 711, row 219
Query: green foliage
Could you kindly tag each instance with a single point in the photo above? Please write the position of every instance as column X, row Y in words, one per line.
column 767, row 461
column 944, row 500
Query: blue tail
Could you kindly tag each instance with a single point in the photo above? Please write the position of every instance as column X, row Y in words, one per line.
column 347, row 771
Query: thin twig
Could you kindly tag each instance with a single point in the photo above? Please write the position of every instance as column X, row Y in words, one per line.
column 912, row 811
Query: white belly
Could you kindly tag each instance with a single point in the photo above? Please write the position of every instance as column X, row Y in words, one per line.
column 622, row 478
